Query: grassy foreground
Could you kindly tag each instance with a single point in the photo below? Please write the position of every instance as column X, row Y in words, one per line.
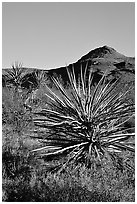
column 25, row 179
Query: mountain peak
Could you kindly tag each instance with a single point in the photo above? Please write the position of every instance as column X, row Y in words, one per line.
column 110, row 49
column 102, row 52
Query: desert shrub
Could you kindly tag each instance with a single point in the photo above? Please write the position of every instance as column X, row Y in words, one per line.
column 17, row 165
column 15, row 156
column 86, row 123
column 16, row 111
column 13, row 110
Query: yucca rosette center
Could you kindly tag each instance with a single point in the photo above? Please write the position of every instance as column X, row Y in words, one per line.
column 92, row 134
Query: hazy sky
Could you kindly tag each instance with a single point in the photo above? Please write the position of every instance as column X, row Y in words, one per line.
column 49, row 35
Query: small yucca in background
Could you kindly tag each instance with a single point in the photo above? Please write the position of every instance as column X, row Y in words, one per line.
column 86, row 122
column 15, row 75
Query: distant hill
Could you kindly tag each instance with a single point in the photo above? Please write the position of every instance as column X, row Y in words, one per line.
column 98, row 60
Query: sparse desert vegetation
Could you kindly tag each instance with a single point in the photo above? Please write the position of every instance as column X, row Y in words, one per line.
column 71, row 142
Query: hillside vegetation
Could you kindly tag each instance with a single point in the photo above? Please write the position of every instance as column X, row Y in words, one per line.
column 68, row 133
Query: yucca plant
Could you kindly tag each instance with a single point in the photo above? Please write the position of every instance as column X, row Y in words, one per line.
column 14, row 78
column 86, row 122
column 15, row 75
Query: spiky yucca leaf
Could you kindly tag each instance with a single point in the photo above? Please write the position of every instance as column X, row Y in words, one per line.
column 15, row 75
column 86, row 121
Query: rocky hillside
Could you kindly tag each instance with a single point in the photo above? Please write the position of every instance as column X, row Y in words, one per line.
column 100, row 60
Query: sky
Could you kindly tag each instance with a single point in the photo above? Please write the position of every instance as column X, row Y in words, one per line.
column 54, row 34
